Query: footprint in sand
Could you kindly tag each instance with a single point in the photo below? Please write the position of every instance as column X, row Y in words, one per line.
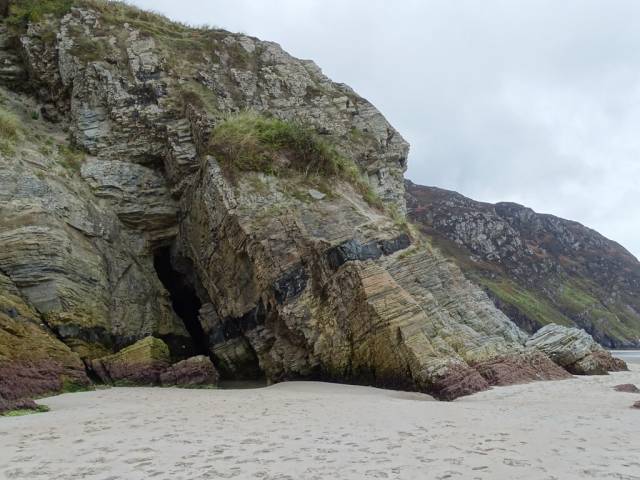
column 511, row 462
column 134, row 460
column 376, row 474
column 447, row 475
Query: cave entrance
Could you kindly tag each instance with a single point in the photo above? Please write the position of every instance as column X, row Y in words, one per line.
column 184, row 299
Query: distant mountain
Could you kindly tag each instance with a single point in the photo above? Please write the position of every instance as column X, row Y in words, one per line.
column 537, row 268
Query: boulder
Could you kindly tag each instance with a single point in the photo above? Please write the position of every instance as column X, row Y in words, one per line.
column 627, row 388
column 523, row 368
column 598, row 363
column 139, row 364
column 575, row 350
column 193, row 372
column 636, row 405
column 21, row 404
column 457, row 380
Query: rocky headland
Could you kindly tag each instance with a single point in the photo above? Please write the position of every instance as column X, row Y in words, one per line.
column 538, row 269
column 182, row 205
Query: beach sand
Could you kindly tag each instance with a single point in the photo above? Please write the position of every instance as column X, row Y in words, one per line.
column 576, row 428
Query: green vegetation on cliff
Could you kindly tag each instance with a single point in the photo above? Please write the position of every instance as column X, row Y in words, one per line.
column 526, row 301
column 9, row 131
column 538, row 269
column 251, row 142
column 24, row 11
column 563, row 301
column 570, row 301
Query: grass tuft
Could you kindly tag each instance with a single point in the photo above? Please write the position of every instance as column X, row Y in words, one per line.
column 10, row 132
column 89, row 49
column 23, row 12
column 70, row 158
column 9, row 126
column 251, row 142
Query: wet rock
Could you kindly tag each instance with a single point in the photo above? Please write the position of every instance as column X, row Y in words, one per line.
column 575, row 350
column 354, row 250
column 627, row 388
column 32, row 361
column 193, row 372
column 139, row 364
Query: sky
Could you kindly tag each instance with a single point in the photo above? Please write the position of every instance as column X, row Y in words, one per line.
column 529, row 101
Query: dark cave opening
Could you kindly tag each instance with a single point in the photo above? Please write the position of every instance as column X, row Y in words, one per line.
column 184, row 299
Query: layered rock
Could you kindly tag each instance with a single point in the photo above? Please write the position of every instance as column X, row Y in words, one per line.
column 509, row 370
column 537, row 268
column 575, row 350
column 88, row 274
column 32, row 361
column 192, row 372
column 270, row 280
column 148, row 362
column 139, row 364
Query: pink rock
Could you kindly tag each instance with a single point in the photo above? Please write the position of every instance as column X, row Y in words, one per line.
column 21, row 404
column 520, row 368
column 627, row 388
column 458, row 380
column 192, row 372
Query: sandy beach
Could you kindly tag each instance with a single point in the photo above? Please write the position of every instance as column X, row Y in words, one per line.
column 576, row 428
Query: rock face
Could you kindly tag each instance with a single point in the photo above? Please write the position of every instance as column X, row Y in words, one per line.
column 147, row 362
column 533, row 365
column 575, row 350
column 193, row 372
column 139, row 364
column 138, row 247
column 537, row 268
column 32, row 361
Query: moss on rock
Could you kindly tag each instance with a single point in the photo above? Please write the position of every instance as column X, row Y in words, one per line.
column 138, row 364
column 32, row 361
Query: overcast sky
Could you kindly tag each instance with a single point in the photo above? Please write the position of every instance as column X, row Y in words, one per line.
column 530, row 101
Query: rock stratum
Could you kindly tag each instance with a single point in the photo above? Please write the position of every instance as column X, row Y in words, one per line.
column 537, row 268
column 140, row 242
